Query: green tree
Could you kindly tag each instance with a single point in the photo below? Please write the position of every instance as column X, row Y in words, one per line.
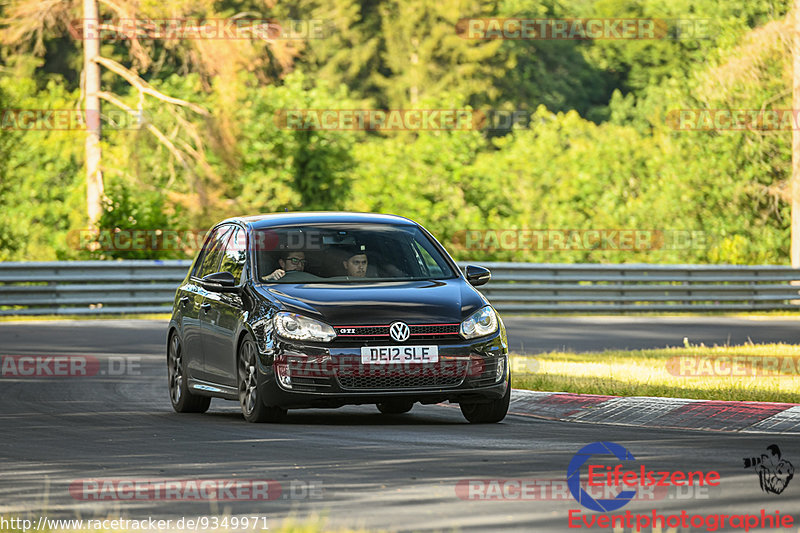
column 283, row 168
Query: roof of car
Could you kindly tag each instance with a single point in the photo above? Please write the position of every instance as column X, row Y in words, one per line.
column 318, row 217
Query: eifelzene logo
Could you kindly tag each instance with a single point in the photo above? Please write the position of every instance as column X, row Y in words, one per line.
column 618, row 476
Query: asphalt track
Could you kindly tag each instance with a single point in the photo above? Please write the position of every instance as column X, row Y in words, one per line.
column 354, row 466
column 589, row 334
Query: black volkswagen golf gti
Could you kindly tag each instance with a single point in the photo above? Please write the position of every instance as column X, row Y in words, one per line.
column 307, row 310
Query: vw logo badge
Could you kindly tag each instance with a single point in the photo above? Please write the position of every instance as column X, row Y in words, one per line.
column 399, row 331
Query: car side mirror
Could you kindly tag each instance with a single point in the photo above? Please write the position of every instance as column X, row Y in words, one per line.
column 219, row 282
column 477, row 275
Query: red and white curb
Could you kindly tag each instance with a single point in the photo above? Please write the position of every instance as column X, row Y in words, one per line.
column 642, row 411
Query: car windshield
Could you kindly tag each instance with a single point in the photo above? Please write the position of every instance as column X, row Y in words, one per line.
column 344, row 253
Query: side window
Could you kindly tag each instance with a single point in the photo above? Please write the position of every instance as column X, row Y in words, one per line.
column 235, row 254
column 212, row 252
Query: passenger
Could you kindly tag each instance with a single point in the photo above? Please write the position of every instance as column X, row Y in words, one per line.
column 355, row 265
column 290, row 262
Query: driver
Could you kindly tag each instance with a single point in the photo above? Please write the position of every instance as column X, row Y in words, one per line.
column 290, row 262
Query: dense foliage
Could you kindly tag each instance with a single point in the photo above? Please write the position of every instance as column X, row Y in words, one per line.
column 592, row 148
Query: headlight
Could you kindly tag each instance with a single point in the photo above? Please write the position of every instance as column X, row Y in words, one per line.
column 481, row 323
column 298, row 327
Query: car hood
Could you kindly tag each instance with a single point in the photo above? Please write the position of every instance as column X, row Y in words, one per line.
column 415, row 302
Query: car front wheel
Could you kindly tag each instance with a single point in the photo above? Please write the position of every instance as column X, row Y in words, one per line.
column 253, row 408
column 487, row 413
column 183, row 401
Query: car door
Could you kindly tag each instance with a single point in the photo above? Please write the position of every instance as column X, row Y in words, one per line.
column 221, row 322
column 195, row 304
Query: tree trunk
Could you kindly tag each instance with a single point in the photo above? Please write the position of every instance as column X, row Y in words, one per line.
column 413, row 95
column 91, row 71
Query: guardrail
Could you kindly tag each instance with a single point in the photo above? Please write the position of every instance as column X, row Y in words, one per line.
column 89, row 287
column 124, row 287
column 541, row 287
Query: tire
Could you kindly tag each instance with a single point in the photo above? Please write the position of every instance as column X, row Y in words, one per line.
column 183, row 401
column 253, row 408
column 487, row 413
column 395, row 407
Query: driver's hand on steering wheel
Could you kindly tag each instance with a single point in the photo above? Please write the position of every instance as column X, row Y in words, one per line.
column 277, row 274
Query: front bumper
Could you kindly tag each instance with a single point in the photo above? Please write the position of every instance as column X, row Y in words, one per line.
column 300, row 375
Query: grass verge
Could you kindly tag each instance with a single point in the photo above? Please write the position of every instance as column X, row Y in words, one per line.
column 762, row 373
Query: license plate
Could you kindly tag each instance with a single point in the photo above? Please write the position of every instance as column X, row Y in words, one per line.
column 384, row 355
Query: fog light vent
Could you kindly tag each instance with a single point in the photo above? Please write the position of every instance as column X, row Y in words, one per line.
column 501, row 368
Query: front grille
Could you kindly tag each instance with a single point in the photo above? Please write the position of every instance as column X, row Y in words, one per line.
column 398, row 382
column 422, row 332
column 364, row 331
column 435, row 329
